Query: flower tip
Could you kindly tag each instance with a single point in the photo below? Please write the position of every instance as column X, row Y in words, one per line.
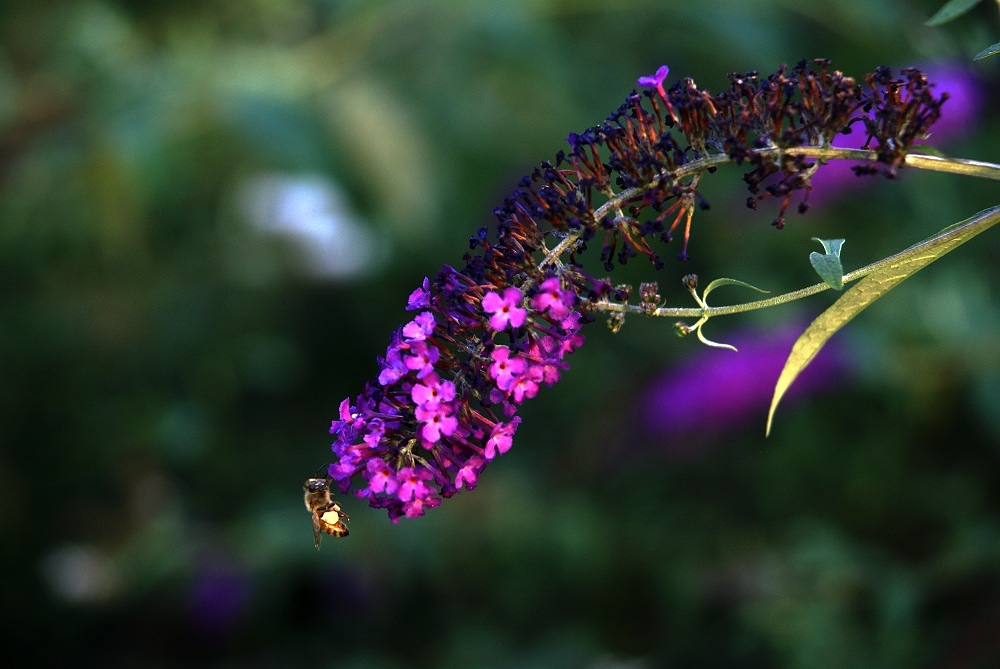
column 654, row 80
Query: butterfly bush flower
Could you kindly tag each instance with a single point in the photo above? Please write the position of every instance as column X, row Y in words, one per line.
column 491, row 335
column 393, row 367
column 501, row 439
column 420, row 327
column 553, row 299
column 431, row 392
column 447, row 391
column 506, row 369
column 467, row 476
column 655, row 81
column 381, row 479
column 504, row 309
column 421, row 358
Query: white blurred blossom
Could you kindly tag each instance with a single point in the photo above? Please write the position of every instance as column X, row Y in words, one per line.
column 311, row 212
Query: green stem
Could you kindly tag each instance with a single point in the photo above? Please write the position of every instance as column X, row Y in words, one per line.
column 962, row 166
column 920, row 161
column 973, row 168
column 982, row 220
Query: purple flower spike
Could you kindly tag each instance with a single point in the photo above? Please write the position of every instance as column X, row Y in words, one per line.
column 656, row 80
column 447, row 394
column 487, row 337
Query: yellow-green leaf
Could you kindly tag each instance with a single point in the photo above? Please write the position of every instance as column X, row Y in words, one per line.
column 882, row 278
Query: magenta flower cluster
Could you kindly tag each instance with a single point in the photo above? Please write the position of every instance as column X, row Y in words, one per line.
column 446, row 397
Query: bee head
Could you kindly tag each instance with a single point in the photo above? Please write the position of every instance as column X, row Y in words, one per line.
column 316, row 485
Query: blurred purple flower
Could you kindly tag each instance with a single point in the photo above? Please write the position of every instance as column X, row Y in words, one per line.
column 964, row 105
column 958, row 119
column 218, row 598
column 716, row 390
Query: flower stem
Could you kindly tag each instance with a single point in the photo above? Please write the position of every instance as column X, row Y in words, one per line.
column 984, row 219
column 920, row 161
column 962, row 166
column 973, row 168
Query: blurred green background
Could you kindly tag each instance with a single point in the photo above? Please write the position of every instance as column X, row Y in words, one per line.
column 211, row 214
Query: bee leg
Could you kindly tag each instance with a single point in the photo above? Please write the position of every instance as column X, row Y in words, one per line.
column 334, row 506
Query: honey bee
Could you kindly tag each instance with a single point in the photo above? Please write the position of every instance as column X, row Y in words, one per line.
column 327, row 516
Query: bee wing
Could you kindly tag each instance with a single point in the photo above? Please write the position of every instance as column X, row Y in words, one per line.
column 317, row 531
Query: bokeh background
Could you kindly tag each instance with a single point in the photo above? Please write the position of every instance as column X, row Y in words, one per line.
column 211, row 214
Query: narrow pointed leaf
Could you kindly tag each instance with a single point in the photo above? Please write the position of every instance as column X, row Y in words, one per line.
column 877, row 283
column 988, row 51
column 951, row 10
column 704, row 296
column 714, row 344
column 717, row 283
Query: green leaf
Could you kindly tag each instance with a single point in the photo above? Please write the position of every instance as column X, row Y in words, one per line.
column 951, row 10
column 714, row 344
column 717, row 283
column 827, row 264
column 888, row 274
column 988, row 51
